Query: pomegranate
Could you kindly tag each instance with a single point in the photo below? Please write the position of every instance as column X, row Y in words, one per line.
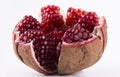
column 60, row 44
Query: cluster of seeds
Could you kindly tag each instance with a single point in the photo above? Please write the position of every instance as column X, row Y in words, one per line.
column 47, row 35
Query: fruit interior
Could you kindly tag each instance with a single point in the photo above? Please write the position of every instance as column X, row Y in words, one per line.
column 48, row 35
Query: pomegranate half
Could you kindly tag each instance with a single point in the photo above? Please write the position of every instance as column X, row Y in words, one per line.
column 60, row 44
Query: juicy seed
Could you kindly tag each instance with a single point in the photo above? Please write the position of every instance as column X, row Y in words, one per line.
column 51, row 18
column 73, row 15
column 76, row 34
column 89, row 21
column 46, row 47
column 28, row 22
column 50, row 9
column 30, row 35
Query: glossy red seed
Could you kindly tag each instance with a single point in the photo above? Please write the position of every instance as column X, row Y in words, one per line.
column 51, row 18
column 89, row 21
column 76, row 34
column 73, row 15
column 28, row 22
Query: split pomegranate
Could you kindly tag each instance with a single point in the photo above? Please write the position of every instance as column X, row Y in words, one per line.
column 55, row 45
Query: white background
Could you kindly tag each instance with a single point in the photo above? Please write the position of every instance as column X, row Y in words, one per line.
column 11, row 11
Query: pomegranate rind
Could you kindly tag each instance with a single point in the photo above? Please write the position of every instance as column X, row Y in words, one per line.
column 103, row 31
column 26, row 54
column 78, row 56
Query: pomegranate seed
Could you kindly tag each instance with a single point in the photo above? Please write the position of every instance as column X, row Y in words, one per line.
column 28, row 22
column 89, row 21
column 51, row 18
column 76, row 34
column 73, row 15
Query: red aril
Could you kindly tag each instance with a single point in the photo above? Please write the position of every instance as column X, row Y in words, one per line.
column 51, row 18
